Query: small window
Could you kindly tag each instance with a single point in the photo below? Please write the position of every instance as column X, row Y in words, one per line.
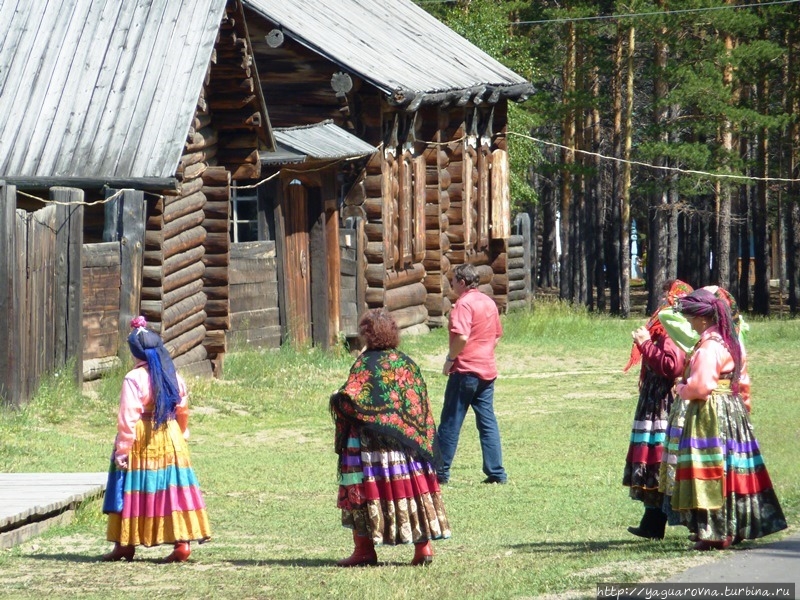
column 244, row 215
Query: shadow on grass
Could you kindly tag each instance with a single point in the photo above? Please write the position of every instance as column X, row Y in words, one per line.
column 66, row 557
column 596, row 546
column 280, row 562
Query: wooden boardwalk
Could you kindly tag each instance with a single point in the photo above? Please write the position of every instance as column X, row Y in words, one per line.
column 32, row 502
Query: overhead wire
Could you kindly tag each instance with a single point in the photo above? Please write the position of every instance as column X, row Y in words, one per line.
column 652, row 166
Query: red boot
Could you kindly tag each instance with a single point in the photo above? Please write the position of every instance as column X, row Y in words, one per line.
column 363, row 554
column 714, row 544
column 423, row 553
column 180, row 553
column 118, row 553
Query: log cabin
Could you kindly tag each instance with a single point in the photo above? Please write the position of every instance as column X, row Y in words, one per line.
column 148, row 111
column 153, row 115
column 436, row 194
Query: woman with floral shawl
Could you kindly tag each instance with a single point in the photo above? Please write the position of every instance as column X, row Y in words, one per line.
column 662, row 363
column 386, row 442
column 713, row 475
column 152, row 496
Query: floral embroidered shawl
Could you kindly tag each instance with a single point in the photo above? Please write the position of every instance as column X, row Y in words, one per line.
column 386, row 394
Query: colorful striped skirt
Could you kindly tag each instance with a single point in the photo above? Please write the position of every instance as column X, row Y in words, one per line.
column 713, row 475
column 388, row 493
column 648, row 439
column 161, row 501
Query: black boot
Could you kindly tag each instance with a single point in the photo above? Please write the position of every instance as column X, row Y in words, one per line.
column 652, row 524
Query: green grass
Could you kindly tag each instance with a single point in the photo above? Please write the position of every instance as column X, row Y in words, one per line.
column 262, row 448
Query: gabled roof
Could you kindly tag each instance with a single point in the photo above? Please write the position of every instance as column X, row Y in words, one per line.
column 397, row 46
column 101, row 90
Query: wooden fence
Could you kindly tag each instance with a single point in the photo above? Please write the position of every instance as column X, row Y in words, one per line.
column 41, row 297
column 255, row 321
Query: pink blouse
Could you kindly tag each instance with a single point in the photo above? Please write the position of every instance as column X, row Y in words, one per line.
column 709, row 360
column 135, row 399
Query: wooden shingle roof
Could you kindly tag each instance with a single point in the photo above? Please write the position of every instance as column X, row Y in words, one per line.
column 397, row 46
column 100, row 90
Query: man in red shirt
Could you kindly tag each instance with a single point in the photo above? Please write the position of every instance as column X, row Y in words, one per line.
column 471, row 369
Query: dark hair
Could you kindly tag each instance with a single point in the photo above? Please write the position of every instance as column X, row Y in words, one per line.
column 468, row 275
column 379, row 330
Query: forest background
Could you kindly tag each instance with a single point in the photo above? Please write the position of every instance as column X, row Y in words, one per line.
column 680, row 115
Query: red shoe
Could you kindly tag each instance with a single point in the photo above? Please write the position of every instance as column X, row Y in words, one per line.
column 118, row 553
column 363, row 554
column 180, row 553
column 423, row 553
column 704, row 545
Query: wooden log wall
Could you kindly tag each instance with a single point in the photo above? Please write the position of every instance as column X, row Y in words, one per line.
column 173, row 301
column 255, row 322
column 297, row 80
column 510, row 279
column 459, row 160
column 437, row 223
column 234, row 97
column 185, row 287
column 217, row 190
column 101, row 308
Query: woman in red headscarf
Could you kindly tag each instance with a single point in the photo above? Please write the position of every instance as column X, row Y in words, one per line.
column 662, row 363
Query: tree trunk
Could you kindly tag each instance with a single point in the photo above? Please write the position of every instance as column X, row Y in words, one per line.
column 659, row 199
column 792, row 212
column 722, row 260
column 625, row 211
column 567, row 160
column 613, row 252
column 598, row 204
column 762, row 241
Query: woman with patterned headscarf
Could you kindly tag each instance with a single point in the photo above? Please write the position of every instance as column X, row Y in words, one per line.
column 386, row 442
column 713, row 476
column 662, row 363
column 153, row 497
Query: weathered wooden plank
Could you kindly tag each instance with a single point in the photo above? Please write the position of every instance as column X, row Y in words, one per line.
column 10, row 334
column 410, row 316
column 257, row 337
column 247, row 304
column 184, row 206
column 501, row 204
column 100, row 255
column 188, row 323
column 67, row 342
column 255, row 319
column 193, row 362
column 185, row 342
column 29, row 500
column 131, row 240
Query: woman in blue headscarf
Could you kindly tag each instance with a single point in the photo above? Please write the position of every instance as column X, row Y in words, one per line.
column 153, row 497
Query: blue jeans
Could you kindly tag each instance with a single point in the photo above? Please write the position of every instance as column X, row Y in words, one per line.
column 465, row 390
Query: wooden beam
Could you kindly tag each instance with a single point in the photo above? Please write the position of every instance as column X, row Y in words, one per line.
column 68, row 341
column 136, row 183
column 10, row 336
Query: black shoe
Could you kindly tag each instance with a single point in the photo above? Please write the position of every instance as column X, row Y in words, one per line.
column 442, row 479
column 494, row 480
column 652, row 525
